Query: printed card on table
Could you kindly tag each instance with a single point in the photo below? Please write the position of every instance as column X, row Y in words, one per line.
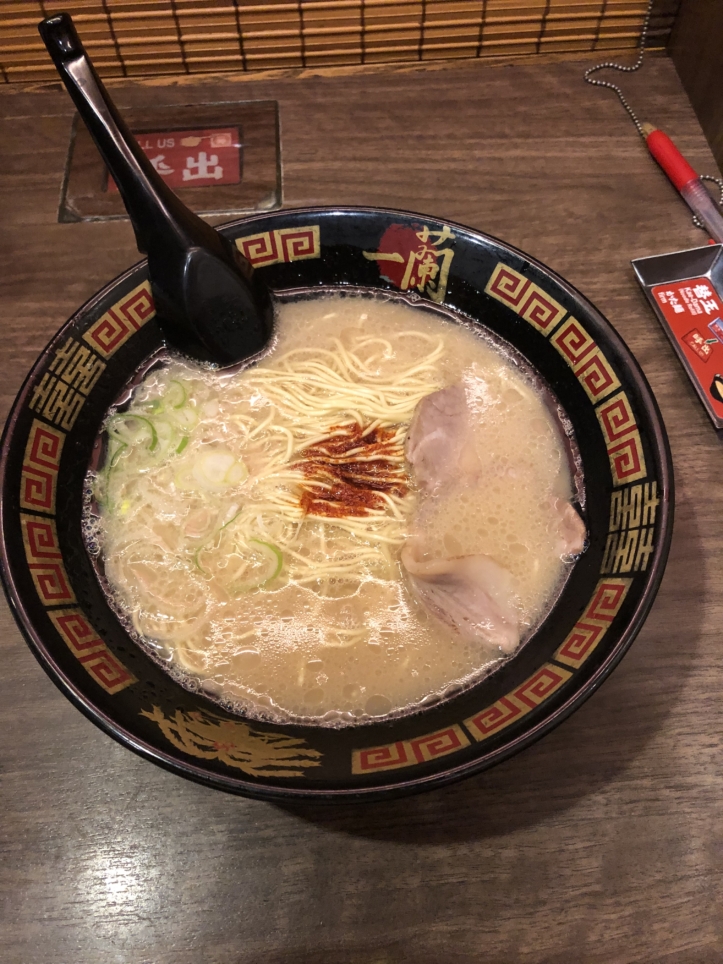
column 694, row 312
column 193, row 158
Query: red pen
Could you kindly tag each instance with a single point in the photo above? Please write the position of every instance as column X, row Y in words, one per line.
column 685, row 180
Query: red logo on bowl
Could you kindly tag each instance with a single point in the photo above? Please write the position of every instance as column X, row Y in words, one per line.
column 194, row 158
column 415, row 258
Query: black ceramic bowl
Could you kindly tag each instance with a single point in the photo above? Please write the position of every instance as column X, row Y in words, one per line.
column 76, row 637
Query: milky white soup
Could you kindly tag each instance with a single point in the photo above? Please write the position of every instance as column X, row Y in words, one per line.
column 265, row 534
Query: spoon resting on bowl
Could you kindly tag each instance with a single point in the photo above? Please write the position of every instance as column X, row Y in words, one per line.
column 210, row 305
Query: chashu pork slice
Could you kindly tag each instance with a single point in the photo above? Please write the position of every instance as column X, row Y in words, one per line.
column 572, row 531
column 472, row 595
column 441, row 452
column 438, row 445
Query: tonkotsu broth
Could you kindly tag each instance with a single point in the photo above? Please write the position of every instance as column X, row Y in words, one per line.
column 224, row 560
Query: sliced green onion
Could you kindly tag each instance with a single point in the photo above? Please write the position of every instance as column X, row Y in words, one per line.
column 182, row 444
column 237, row 474
column 275, row 560
column 273, row 553
column 210, row 468
column 214, row 470
column 176, row 395
column 197, row 563
column 118, row 428
column 186, row 418
column 117, row 452
column 183, row 479
column 168, row 436
column 232, row 519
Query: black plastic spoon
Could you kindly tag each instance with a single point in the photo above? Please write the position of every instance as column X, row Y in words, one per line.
column 210, row 306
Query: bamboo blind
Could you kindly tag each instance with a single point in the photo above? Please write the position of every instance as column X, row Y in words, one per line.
column 136, row 37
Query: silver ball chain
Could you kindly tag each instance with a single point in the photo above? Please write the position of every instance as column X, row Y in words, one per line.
column 714, row 180
column 611, row 65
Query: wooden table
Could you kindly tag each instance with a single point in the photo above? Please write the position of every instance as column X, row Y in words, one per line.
column 603, row 842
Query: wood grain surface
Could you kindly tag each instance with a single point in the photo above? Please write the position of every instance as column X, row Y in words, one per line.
column 603, row 842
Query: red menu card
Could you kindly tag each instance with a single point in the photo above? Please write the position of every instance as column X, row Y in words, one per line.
column 694, row 312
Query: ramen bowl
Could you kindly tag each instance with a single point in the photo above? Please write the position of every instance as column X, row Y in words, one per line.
column 70, row 626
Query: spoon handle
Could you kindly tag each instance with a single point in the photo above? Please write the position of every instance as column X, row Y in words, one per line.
column 209, row 303
column 155, row 211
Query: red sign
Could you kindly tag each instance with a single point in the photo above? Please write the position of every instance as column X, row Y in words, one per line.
column 694, row 312
column 196, row 158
